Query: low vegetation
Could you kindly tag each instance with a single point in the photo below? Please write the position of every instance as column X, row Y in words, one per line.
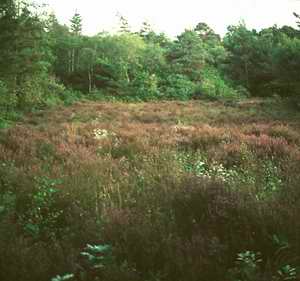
column 152, row 191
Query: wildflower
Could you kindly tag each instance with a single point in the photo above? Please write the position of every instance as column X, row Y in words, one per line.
column 100, row 134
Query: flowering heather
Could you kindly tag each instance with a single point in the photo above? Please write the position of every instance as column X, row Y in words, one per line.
column 162, row 191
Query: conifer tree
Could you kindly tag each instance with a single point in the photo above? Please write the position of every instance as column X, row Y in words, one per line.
column 24, row 52
column 76, row 24
column 76, row 29
column 124, row 25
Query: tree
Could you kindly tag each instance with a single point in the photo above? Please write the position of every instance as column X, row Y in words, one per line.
column 8, row 28
column 265, row 62
column 60, row 40
column 88, row 61
column 146, row 31
column 298, row 18
column 287, row 67
column 206, row 33
column 212, row 43
column 76, row 28
column 25, row 56
column 124, row 25
column 187, row 55
column 240, row 42
column 76, row 24
column 290, row 31
column 119, row 60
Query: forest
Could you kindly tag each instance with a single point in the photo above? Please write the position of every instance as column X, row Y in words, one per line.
column 133, row 156
column 43, row 62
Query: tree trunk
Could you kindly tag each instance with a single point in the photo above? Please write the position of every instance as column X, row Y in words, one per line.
column 247, row 74
column 90, row 81
column 73, row 60
column 70, row 62
column 127, row 76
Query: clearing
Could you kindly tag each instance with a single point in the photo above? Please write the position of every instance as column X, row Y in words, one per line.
column 177, row 189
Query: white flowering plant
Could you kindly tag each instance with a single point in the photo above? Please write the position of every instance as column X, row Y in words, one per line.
column 199, row 165
column 100, row 134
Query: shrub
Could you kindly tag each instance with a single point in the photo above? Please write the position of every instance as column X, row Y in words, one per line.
column 179, row 87
column 174, row 202
column 213, row 86
column 53, row 92
column 41, row 92
column 146, row 86
column 8, row 100
column 249, row 267
column 30, row 93
column 101, row 95
column 70, row 96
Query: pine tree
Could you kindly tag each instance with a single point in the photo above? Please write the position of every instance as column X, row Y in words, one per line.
column 8, row 27
column 298, row 18
column 124, row 25
column 23, row 48
column 25, row 56
column 76, row 24
column 206, row 33
column 76, row 29
column 146, row 29
column 60, row 40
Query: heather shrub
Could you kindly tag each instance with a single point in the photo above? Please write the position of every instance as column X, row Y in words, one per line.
column 235, row 155
column 201, row 223
column 285, row 132
column 174, row 200
column 127, row 150
column 265, row 146
column 203, row 138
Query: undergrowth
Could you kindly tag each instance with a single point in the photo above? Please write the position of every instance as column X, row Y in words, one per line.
column 150, row 192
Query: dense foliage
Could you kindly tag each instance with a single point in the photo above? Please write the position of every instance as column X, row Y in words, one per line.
column 139, row 65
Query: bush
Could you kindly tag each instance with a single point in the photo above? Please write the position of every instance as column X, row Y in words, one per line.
column 70, row 96
column 30, row 93
column 52, row 92
column 146, row 86
column 39, row 92
column 100, row 95
column 8, row 100
column 8, row 103
column 214, row 87
column 179, row 87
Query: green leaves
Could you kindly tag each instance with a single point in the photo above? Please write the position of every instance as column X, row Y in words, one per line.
column 76, row 24
column 63, row 278
column 287, row 272
column 214, row 87
column 265, row 62
column 41, row 217
column 248, row 269
column 97, row 255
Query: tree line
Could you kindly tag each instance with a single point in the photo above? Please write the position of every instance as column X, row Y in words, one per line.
column 40, row 58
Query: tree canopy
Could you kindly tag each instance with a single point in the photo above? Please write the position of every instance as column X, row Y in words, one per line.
column 143, row 64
